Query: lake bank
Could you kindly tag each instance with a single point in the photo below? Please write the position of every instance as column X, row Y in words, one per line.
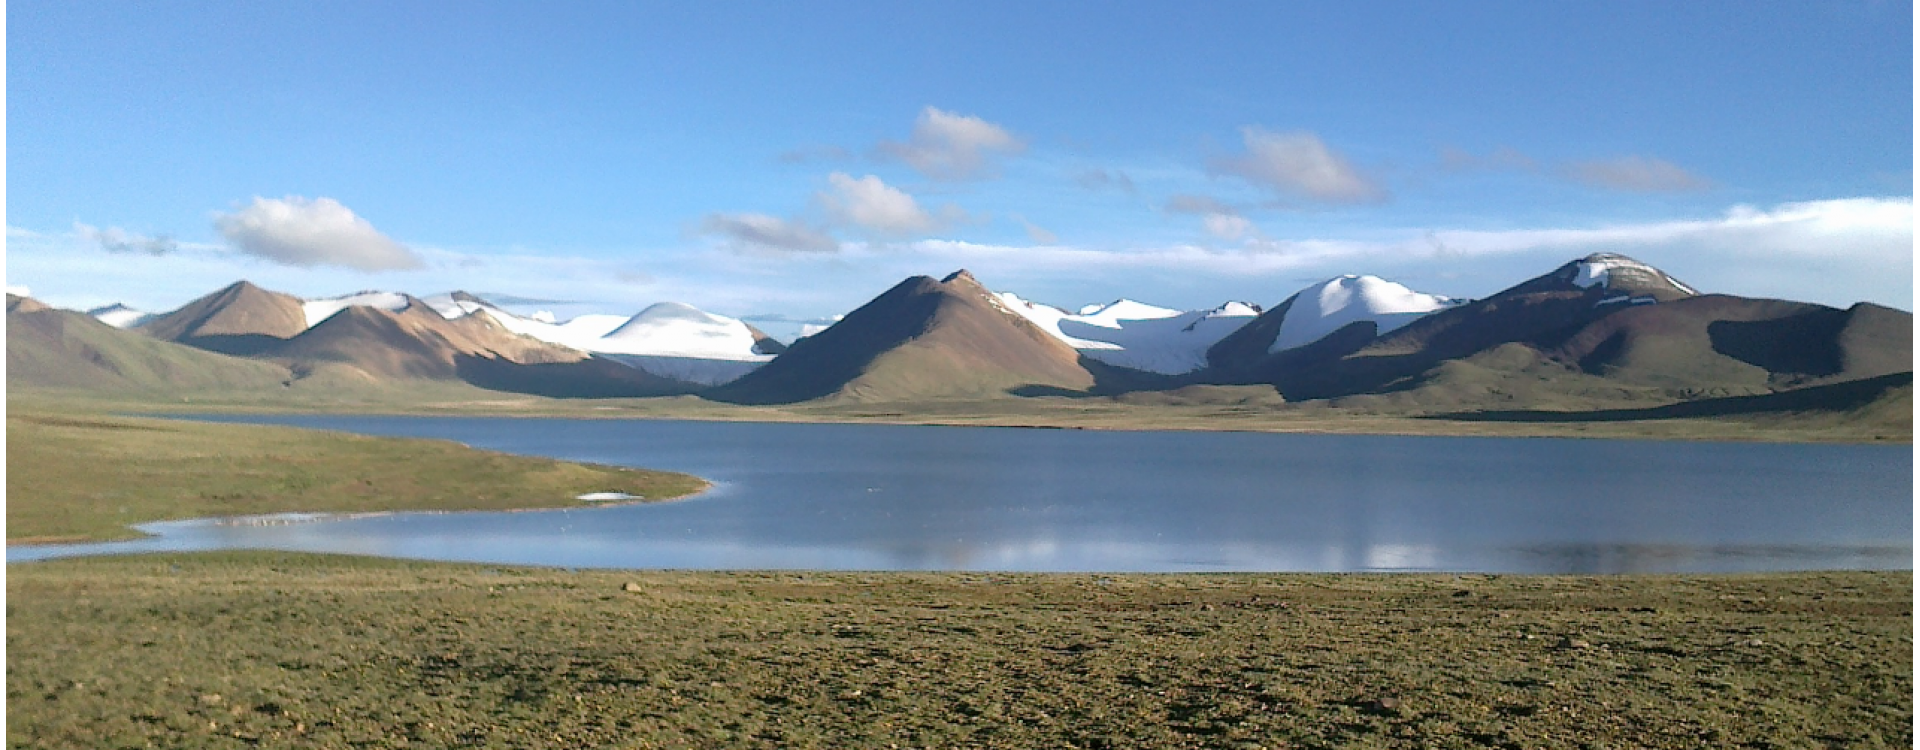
column 1054, row 413
column 312, row 651
column 91, row 477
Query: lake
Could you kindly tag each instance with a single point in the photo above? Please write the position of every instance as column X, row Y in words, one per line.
column 885, row 497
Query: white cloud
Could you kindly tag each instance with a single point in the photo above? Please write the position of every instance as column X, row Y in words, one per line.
column 117, row 240
column 873, row 205
column 1227, row 226
column 19, row 291
column 1637, row 174
column 948, row 146
column 763, row 232
column 297, row 231
column 1298, row 164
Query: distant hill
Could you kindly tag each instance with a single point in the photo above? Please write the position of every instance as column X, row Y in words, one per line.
column 922, row 339
column 49, row 348
column 239, row 319
column 416, row 343
column 1601, row 329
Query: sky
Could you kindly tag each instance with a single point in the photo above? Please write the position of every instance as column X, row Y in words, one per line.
column 790, row 161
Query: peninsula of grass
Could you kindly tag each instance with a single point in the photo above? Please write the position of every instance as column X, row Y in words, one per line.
column 244, row 649
column 89, row 477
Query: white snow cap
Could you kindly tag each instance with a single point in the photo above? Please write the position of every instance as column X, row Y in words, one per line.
column 1598, row 269
column 677, row 330
column 119, row 315
column 318, row 310
column 669, row 339
column 1335, row 303
column 1136, row 335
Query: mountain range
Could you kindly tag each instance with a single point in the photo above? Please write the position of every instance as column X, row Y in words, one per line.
column 1600, row 332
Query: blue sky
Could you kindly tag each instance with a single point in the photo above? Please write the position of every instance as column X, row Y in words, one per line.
column 797, row 159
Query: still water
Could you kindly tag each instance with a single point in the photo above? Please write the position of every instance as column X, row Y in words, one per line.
column 880, row 497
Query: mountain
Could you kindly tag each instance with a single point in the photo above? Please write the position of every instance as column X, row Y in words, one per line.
column 668, row 339
column 239, row 319
column 120, row 316
column 415, row 343
column 1329, row 318
column 1601, row 328
column 317, row 310
column 1137, row 336
column 49, row 348
column 922, row 339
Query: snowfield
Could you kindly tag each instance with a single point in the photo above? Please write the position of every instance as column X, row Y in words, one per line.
column 1597, row 269
column 668, row 339
column 1125, row 333
column 1335, row 303
column 318, row 310
column 119, row 316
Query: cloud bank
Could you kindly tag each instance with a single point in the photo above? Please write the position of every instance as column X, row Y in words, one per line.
column 297, row 231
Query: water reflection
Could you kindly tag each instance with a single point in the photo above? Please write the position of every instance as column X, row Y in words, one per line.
column 866, row 497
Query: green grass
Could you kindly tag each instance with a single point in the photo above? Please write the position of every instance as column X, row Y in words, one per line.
column 88, row 476
column 283, row 650
column 1052, row 412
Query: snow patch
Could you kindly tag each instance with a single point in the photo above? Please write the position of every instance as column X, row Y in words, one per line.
column 669, row 339
column 1335, row 303
column 318, row 310
column 1597, row 270
column 119, row 315
column 604, row 497
column 1136, row 335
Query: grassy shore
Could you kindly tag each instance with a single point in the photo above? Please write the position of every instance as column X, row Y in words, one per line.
column 284, row 650
column 88, row 477
column 1046, row 412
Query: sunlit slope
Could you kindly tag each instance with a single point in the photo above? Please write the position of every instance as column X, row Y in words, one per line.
column 922, row 339
column 60, row 349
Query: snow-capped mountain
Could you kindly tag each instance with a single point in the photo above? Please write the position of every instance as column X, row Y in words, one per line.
column 1135, row 335
column 318, row 310
column 1625, row 276
column 669, row 339
column 1330, row 305
column 119, row 315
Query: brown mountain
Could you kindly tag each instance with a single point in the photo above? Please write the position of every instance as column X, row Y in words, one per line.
column 49, row 348
column 240, row 319
column 922, row 339
column 416, row 343
column 1636, row 332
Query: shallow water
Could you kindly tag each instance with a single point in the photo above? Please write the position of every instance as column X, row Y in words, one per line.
column 882, row 497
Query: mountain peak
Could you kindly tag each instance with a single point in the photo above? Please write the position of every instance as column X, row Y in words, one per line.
column 962, row 276
column 1614, row 272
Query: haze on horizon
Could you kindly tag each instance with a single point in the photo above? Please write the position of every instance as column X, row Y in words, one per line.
column 790, row 162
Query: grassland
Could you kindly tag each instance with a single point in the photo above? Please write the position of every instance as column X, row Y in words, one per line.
column 282, row 650
column 74, row 476
column 1879, row 422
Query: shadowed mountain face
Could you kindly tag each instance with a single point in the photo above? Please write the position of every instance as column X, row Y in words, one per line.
column 241, row 319
column 922, row 339
column 48, row 348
